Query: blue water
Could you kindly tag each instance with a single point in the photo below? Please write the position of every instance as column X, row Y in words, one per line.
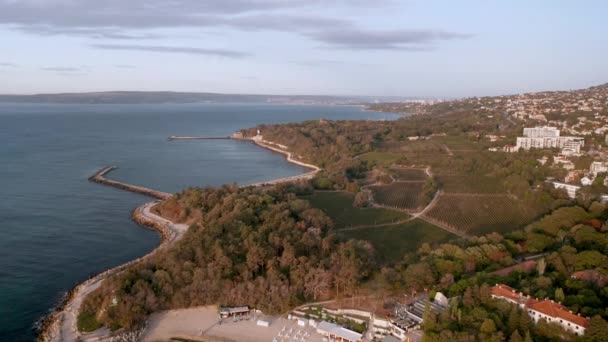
column 56, row 228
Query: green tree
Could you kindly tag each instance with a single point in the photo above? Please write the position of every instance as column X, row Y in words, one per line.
column 467, row 298
column 525, row 323
column 429, row 318
column 513, row 321
column 515, row 337
column 597, row 330
column 488, row 327
column 485, row 294
column 559, row 295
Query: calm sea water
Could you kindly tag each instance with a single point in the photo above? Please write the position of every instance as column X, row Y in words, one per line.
column 56, row 228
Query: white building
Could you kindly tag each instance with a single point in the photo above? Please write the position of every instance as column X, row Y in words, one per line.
column 570, row 189
column 556, row 313
column 586, row 181
column 598, row 167
column 548, row 137
column 571, row 143
column 541, row 132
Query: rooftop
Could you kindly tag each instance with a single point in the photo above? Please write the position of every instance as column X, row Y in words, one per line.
column 506, row 292
column 553, row 309
column 339, row 331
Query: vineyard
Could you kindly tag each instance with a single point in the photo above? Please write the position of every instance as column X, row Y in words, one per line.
column 408, row 174
column 480, row 214
column 339, row 207
column 391, row 243
column 399, row 195
column 470, row 184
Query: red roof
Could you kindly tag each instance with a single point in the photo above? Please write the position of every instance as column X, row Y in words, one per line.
column 506, row 292
column 552, row 309
column 592, row 276
column 546, row 307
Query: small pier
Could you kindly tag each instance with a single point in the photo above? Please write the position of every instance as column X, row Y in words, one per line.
column 99, row 177
column 174, row 137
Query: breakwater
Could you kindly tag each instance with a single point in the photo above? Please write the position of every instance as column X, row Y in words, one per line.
column 174, row 137
column 99, row 177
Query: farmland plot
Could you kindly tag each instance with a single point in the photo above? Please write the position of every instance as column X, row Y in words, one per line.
column 480, row 214
column 399, row 195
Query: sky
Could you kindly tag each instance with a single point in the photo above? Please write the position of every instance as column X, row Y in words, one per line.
column 430, row 48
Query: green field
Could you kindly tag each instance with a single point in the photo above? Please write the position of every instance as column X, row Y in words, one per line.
column 408, row 174
column 339, row 206
column 381, row 158
column 391, row 243
column 460, row 143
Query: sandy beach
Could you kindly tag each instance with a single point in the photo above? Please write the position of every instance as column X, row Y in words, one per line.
column 259, row 140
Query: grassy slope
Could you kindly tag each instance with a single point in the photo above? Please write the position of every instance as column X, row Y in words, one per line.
column 339, row 206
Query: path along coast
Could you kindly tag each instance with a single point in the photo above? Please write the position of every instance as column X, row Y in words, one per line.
column 61, row 324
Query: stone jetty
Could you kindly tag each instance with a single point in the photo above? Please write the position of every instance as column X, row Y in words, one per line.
column 99, row 177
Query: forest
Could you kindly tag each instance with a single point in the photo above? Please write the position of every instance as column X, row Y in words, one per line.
column 265, row 248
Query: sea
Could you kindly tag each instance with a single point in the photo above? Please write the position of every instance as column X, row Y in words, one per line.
column 57, row 229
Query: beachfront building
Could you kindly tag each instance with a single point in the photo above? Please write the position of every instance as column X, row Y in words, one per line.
column 336, row 333
column 236, row 312
column 545, row 309
column 409, row 317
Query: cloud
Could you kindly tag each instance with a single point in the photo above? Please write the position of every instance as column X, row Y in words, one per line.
column 95, row 33
column 62, row 69
column 7, row 65
column 174, row 49
column 65, row 71
column 141, row 14
column 118, row 19
column 142, row 19
column 125, row 66
column 411, row 40
column 326, row 63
